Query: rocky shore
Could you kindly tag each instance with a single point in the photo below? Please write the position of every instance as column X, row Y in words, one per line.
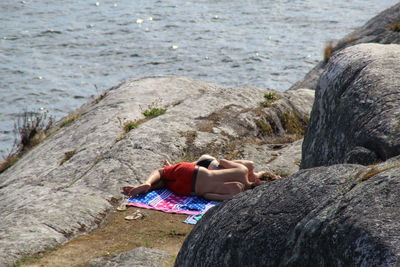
column 341, row 208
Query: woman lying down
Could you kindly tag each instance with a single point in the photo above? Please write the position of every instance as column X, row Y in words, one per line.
column 207, row 177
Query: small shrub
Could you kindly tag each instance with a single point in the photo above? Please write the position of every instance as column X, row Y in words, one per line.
column 395, row 27
column 270, row 96
column 29, row 129
column 30, row 126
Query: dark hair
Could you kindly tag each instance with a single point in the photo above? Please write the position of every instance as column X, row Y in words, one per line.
column 204, row 163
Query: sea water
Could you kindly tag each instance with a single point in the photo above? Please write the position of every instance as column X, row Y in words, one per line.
column 55, row 55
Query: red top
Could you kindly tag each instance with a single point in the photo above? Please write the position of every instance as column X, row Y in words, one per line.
column 179, row 178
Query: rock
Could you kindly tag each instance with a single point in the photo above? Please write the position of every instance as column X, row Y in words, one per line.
column 337, row 215
column 355, row 117
column 358, row 229
column 383, row 28
column 138, row 257
column 361, row 155
column 47, row 199
column 341, row 215
column 281, row 125
column 281, row 159
column 310, row 80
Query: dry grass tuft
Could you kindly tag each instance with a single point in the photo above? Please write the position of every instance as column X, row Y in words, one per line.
column 69, row 119
column 67, row 156
column 30, row 129
column 394, row 27
column 374, row 171
column 100, row 97
column 328, row 51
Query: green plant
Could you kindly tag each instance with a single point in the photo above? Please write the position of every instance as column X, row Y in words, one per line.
column 129, row 125
column 269, row 98
column 153, row 110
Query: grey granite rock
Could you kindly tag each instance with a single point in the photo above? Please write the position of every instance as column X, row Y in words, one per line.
column 342, row 215
column 380, row 29
column 338, row 215
column 355, row 117
column 282, row 159
column 46, row 199
column 360, row 228
column 138, row 257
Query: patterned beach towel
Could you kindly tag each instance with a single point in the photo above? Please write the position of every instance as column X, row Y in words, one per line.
column 166, row 201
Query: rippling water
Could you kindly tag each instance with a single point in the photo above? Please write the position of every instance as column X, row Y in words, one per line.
column 57, row 54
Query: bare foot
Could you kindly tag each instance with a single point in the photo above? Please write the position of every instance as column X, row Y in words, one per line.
column 133, row 191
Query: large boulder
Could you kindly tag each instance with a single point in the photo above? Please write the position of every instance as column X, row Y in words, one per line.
column 336, row 215
column 355, row 117
column 384, row 28
column 341, row 215
column 66, row 185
